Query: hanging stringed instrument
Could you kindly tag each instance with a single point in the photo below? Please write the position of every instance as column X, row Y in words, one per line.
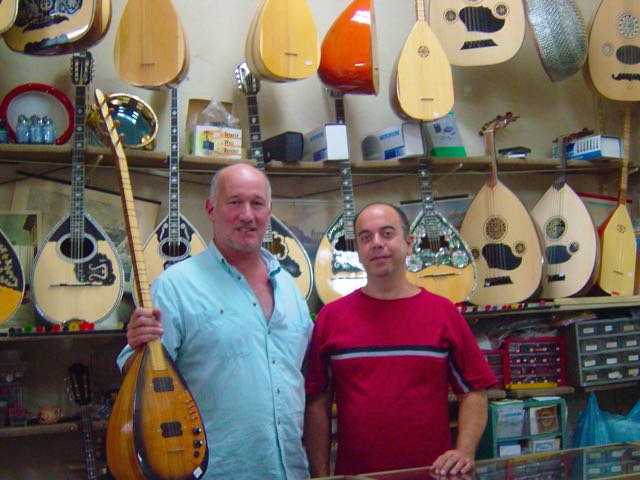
column 478, row 32
column 150, row 49
column 8, row 13
column 349, row 57
column 42, row 28
column 421, row 82
column 570, row 239
column 617, row 237
column 278, row 239
column 614, row 43
column 502, row 235
column 175, row 238
column 337, row 268
column 441, row 261
column 155, row 430
column 11, row 279
column 77, row 273
column 282, row 44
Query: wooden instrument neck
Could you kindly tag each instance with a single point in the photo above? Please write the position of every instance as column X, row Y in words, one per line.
column 490, row 151
column 626, row 145
column 421, row 14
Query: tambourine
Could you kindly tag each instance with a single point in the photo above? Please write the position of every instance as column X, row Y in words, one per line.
column 135, row 120
column 28, row 99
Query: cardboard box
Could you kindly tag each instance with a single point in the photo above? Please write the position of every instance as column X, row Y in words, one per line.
column 591, row 148
column 211, row 140
column 328, row 142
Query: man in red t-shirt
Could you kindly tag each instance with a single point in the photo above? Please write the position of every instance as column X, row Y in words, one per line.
column 388, row 352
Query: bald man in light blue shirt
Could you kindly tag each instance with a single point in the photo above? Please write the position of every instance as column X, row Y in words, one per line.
column 238, row 328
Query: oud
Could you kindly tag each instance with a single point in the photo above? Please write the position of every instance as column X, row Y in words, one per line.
column 475, row 32
column 77, row 273
column 441, row 260
column 278, row 239
column 502, row 235
column 155, row 430
column 571, row 246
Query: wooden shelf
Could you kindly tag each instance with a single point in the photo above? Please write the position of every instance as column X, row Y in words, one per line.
column 84, row 335
column 56, row 428
column 557, row 305
column 610, row 386
column 143, row 159
column 540, row 392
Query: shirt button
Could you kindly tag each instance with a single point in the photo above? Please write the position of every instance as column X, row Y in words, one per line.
column 255, row 304
column 239, row 277
column 273, row 361
column 277, row 391
column 278, row 422
column 269, row 332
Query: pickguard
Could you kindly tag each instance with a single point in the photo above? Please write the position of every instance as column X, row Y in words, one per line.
column 499, row 255
column 39, row 14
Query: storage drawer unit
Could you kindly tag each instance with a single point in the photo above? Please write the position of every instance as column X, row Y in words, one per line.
column 537, row 362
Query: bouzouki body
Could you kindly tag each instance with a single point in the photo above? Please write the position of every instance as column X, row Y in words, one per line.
column 155, row 430
column 285, row 42
column 175, row 238
column 278, row 238
column 613, row 42
column 150, row 49
column 8, row 13
column 503, row 237
column 422, row 83
column 11, row 279
column 44, row 27
column 617, row 237
column 441, row 261
column 478, row 32
column 337, row 269
column 570, row 240
column 77, row 273
column 349, row 58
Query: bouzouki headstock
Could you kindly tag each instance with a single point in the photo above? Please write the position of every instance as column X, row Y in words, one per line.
column 80, row 383
column 82, row 68
column 488, row 131
column 247, row 81
column 500, row 121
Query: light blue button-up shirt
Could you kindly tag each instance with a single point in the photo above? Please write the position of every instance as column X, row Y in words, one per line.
column 243, row 370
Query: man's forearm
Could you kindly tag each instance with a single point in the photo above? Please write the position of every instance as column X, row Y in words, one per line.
column 317, row 435
column 472, row 420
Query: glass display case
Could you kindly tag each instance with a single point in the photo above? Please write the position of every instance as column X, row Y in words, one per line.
column 603, row 461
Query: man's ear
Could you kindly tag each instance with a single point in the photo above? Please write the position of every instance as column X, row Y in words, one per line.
column 208, row 206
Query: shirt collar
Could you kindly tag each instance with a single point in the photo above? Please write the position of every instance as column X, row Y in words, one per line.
column 272, row 263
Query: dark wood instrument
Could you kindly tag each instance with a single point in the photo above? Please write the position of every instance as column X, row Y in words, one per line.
column 278, row 238
column 77, row 273
column 155, row 430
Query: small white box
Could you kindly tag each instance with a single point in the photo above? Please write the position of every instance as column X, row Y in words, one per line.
column 328, row 142
column 508, row 449
column 590, row 148
column 397, row 141
column 213, row 141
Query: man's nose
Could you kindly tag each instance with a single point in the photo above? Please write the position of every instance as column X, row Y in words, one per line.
column 246, row 210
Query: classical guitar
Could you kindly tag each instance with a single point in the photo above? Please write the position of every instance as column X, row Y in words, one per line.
column 441, row 260
column 421, row 82
column 8, row 13
column 502, row 235
column 150, row 48
column 337, row 268
column 81, row 390
column 614, row 43
column 282, row 44
column 478, row 32
column 570, row 239
column 278, row 239
column 43, row 27
column 77, row 272
column 349, row 58
column 617, row 238
column 11, row 279
column 155, row 430
column 175, row 238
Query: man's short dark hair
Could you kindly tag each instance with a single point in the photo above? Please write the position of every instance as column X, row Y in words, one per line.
column 403, row 217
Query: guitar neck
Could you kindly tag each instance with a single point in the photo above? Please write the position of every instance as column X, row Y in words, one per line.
column 256, row 148
column 426, row 193
column 626, row 139
column 339, row 103
column 87, row 440
column 421, row 14
column 174, row 172
column 490, row 151
column 346, row 181
column 77, row 167
column 562, row 149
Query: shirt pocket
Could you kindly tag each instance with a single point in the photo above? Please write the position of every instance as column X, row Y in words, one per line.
column 222, row 332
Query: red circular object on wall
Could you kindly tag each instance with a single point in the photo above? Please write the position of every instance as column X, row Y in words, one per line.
column 44, row 88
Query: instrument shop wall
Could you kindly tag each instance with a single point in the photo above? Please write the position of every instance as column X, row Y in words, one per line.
column 216, row 32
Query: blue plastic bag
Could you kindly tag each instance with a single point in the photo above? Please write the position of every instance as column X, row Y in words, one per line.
column 591, row 428
column 624, row 428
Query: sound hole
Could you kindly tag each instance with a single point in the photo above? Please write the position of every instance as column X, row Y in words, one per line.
column 555, row 228
column 77, row 250
column 495, row 228
column 172, row 250
column 628, row 25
